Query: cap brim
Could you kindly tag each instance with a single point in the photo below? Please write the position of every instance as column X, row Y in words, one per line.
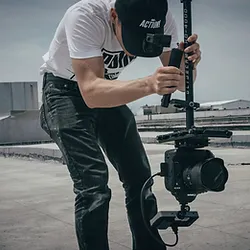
column 134, row 41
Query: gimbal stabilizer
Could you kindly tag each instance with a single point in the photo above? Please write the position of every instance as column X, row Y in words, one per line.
column 188, row 170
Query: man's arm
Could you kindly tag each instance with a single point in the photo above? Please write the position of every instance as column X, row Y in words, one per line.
column 99, row 92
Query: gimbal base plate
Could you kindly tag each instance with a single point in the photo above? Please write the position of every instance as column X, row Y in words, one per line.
column 166, row 219
column 198, row 137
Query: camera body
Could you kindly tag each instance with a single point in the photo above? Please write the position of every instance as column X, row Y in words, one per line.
column 190, row 171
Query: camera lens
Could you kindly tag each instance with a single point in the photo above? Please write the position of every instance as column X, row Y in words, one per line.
column 214, row 175
column 210, row 175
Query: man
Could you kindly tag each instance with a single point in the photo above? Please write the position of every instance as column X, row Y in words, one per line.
column 85, row 106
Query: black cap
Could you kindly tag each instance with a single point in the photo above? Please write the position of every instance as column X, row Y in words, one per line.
column 140, row 18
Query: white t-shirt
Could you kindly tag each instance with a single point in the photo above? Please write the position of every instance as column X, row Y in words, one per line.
column 85, row 31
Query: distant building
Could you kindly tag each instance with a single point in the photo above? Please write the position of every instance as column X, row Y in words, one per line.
column 157, row 109
column 225, row 105
column 237, row 104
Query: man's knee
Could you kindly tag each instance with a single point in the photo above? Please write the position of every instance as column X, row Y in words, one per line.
column 92, row 198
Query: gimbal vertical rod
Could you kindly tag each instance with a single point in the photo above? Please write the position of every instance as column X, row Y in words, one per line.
column 187, row 18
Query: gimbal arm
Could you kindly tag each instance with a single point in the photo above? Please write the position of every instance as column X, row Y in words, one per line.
column 175, row 60
column 199, row 137
column 187, row 19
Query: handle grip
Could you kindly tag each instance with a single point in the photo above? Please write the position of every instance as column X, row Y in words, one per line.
column 175, row 60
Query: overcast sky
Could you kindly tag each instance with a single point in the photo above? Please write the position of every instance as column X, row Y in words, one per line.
column 223, row 26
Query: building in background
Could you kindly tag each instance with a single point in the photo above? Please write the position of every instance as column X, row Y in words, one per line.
column 225, row 105
column 18, row 96
column 158, row 109
column 19, row 114
column 218, row 105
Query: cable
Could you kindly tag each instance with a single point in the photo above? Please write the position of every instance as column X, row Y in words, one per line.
column 174, row 228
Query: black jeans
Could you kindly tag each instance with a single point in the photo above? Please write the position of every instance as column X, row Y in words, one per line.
column 79, row 132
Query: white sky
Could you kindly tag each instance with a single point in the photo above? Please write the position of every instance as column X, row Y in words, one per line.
column 223, row 26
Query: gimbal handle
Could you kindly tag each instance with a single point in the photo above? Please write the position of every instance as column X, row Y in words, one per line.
column 175, row 60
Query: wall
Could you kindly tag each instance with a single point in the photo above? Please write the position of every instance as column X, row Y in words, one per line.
column 18, row 96
column 22, row 128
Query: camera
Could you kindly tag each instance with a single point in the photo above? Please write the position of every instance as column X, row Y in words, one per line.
column 189, row 172
column 153, row 44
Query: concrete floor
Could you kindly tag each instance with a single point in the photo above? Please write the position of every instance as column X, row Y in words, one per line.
column 36, row 207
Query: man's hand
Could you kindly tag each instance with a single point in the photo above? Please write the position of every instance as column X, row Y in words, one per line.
column 195, row 57
column 194, row 49
column 165, row 80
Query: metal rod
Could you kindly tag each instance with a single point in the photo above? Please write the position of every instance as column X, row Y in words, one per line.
column 187, row 19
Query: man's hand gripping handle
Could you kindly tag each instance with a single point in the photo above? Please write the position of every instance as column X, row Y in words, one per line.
column 175, row 60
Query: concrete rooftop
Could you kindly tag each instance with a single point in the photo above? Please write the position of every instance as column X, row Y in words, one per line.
column 37, row 202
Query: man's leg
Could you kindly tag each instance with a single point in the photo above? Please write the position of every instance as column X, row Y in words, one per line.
column 121, row 142
column 71, row 124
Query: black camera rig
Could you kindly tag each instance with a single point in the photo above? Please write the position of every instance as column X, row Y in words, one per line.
column 188, row 169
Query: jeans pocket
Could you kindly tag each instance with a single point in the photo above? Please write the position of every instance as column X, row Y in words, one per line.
column 60, row 88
